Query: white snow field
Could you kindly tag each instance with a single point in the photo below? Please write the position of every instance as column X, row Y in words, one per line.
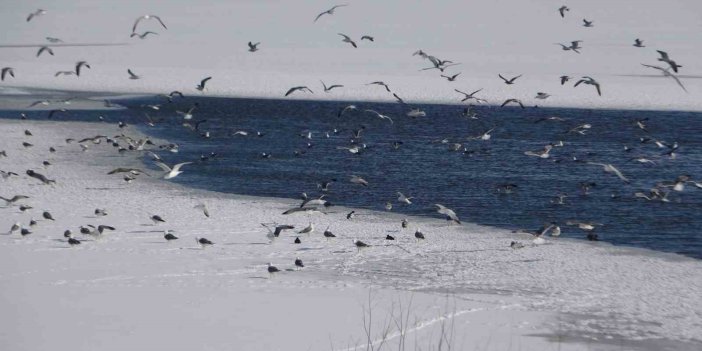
column 130, row 289
column 509, row 37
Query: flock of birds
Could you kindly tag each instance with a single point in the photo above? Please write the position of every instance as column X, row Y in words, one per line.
column 309, row 205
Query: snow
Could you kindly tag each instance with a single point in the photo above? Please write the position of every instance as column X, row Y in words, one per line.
column 510, row 37
column 131, row 288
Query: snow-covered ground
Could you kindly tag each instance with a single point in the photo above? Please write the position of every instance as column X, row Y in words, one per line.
column 510, row 37
column 132, row 289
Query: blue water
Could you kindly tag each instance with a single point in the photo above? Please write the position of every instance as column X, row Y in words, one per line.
column 428, row 171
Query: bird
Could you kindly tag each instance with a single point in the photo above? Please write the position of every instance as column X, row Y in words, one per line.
column 360, row 244
column 541, row 154
column 253, row 47
column 389, row 237
column 379, row 115
column 665, row 58
column 367, row 37
column 638, row 43
column 25, row 231
column 587, row 23
column 451, row 78
column 201, row 86
column 297, row 240
column 415, row 112
column 471, row 95
column 509, row 81
column 404, row 223
column 562, row 10
column 168, row 235
column 516, row 245
column 381, row 84
column 449, row 213
column 40, row 177
column 54, row 40
column 358, row 180
column 71, row 240
column 398, row 99
column 329, row 88
column 350, row 215
column 45, row 49
column 171, row 172
column 279, row 229
column 100, row 212
column 666, row 73
column 79, row 65
column 55, row 111
column 328, row 234
column 298, row 263
column 272, row 269
column 15, row 227
column 516, row 101
column 135, row 171
column 404, row 199
column 307, row 230
column 300, row 88
column 64, row 73
column 346, row 109
column 347, row 39
column 13, row 199
column 142, row 35
column 202, row 207
column 329, row 12
column 157, row 219
column 611, row 169
column 203, row 242
column 419, row 235
column 564, row 79
column 590, row 81
column 542, row 96
column 147, row 17
column 7, row 71
column 132, row 75
column 36, row 13
column 47, row 216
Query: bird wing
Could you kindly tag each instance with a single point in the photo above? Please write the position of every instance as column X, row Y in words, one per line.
column 345, row 36
column 136, row 23
column 503, row 78
column 599, row 92
column 578, row 82
column 664, row 55
column 163, row 166
column 177, row 167
column 131, row 73
column 320, row 15
column 291, row 90
column 204, row 81
column 677, row 80
column 159, row 21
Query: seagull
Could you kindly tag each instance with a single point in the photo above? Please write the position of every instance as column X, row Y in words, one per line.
column 168, row 235
column 300, row 88
column 328, row 234
column 419, row 235
column 307, row 230
column 516, row 245
column 359, row 244
column 451, row 78
column 415, row 112
column 253, row 47
column 5, row 71
column 203, row 242
column 54, row 40
column 348, row 40
column 329, row 88
column 509, row 81
column 516, row 101
column 350, row 215
column 542, row 96
column 80, row 64
column 171, row 172
column 664, row 58
column 379, row 115
column 100, row 212
column 563, row 10
column 40, row 177
column 541, row 154
column 358, row 180
column 590, row 81
column 157, row 219
column 47, row 216
column 278, row 229
column 297, row 240
column 402, row 198
column 143, row 35
column 638, row 43
column 587, row 23
column 272, row 269
column 36, row 13
column 564, row 79
column 381, row 84
column 188, row 115
column 666, row 73
column 470, row 96
column 574, row 45
column 135, row 171
column 367, row 37
column 298, row 263
column 450, row 215
column 329, row 12
column 201, row 86
column 146, row 17
column 389, row 237
column 132, row 75
column 45, row 49
column 611, row 169
column 202, row 207
column 399, row 99
column 14, row 199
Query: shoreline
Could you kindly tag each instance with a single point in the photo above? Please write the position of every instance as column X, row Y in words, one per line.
column 356, row 271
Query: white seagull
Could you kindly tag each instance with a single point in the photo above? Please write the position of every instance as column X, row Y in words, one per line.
column 402, row 198
column 666, row 73
column 36, row 13
column 611, row 169
column 590, row 81
column 379, row 115
column 329, row 12
column 347, row 39
column 171, row 172
column 450, row 215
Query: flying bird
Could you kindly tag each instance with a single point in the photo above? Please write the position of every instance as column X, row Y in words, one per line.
column 542, row 96
column 449, row 213
column 666, row 73
column 329, row 88
column 171, row 172
column 381, row 84
column 54, row 40
column 202, row 207
column 36, row 13
column 45, row 49
column 590, row 81
column 5, row 71
column 329, row 12
column 509, row 81
column 379, row 115
column 562, row 10
column 64, row 73
column 358, row 180
column 80, row 64
column 201, row 86
column 587, row 23
column 451, row 78
column 665, row 58
column 367, row 37
column 611, row 169
column 564, row 79
column 132, row 75
column 638, row 43
column 300, row 88
column 147, row 17
column 347, row 39
column 253, row 47
column 515, row 101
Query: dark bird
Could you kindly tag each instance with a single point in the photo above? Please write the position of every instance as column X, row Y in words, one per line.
column 419, row 235
column 79, row 65
column 203, row 242
column 201, row 86
column 26, row 144
column 100, row 212
column 564, row 79
column 25, row 231
column 590, row 81
column 389, row 237
column 639, row 43
column 14, row 199
column 350, row 215
column 5, row 71
column 399, row 99
column 36, row 13
column 587, row 23
column 562, row 10
column 45, row 49
column 73, row 241
column 272, row 269
column 297, row 240
column 381, row 84
column 328, row 233
column 169, row 236
column 451, row 78
column 300, row 88
column 25, row 208
column 405, row 223
column 156, row 219
column 367, row 37
column 40, row 177
column 47, row 216
column 329, row 88
column 664, row 58
column 253, row 47
column 471, row 95
column 347, row 39
column 298, row 263
column 516, row 101
column 147, row 17
column 132, row 75
column 359, row 244
column 509, row 81
column 329, row 12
